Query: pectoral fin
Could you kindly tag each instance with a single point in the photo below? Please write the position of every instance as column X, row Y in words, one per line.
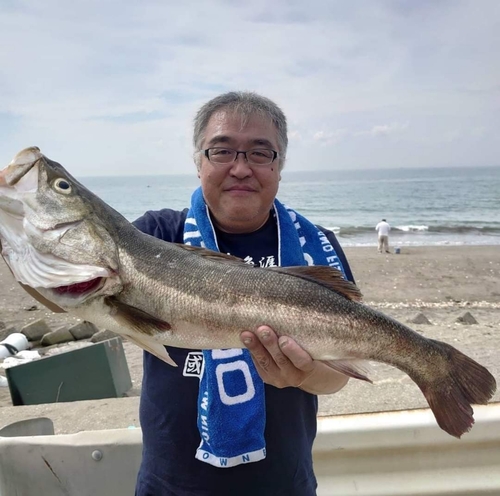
column 143, row 325
column 136, row 319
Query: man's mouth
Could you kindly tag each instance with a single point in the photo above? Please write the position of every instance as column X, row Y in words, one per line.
column 246, row 189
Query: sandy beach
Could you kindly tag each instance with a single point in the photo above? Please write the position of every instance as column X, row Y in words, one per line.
column 441, row 282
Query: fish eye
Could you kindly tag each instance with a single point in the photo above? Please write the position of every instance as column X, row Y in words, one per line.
column 62, row 186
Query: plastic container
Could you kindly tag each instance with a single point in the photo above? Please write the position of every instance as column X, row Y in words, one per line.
column 15, row 343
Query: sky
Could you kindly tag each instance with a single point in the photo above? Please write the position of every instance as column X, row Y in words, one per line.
column 108, row 87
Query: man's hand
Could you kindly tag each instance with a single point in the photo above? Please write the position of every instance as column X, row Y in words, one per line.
column 283, row 363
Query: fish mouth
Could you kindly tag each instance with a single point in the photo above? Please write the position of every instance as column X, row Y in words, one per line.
column 39, row 269
column 21, row 175
column 80, row 289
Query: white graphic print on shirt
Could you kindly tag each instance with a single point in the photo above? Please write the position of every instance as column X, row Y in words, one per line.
column 268, row 261
column 193, row 366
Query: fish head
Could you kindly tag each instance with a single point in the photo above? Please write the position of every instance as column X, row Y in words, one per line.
column 54, row 237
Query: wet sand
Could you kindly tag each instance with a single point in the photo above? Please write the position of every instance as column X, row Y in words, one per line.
column 441, row 282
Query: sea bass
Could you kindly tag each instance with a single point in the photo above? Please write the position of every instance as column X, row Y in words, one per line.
column 74, row 253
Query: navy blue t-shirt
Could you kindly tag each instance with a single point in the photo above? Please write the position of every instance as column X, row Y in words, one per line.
column 168, row 408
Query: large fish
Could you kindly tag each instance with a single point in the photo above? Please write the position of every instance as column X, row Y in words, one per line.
column 74, row 253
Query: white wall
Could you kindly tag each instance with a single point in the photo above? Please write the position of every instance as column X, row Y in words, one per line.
column 379, row 454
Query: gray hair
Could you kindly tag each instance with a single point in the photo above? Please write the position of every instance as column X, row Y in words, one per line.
column 245, row 104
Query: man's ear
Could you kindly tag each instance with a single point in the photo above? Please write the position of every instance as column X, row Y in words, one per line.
column 196, row 160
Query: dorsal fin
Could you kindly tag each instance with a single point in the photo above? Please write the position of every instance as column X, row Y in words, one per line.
column 213, row 255
column 320, row 274
column 326, row 276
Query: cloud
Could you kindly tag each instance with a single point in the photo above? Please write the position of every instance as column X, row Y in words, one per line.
column 385, row 129
column 294, row 136
column 329, row 138
column 99, row 84
column 131, row 117
column 478, row 132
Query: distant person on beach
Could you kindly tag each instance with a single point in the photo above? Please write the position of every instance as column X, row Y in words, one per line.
column 242, row 421
column 383, row 229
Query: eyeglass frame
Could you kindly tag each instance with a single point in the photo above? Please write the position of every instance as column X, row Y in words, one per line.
column 206, row 151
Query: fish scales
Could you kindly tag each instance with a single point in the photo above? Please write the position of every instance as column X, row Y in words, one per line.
column 249, row 298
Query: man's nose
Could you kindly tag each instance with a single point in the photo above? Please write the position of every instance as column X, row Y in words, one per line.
column 240, row 167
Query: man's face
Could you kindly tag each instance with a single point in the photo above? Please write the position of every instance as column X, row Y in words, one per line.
column 239, row 195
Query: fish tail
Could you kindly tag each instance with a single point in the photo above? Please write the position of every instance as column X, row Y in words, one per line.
column 450, row 397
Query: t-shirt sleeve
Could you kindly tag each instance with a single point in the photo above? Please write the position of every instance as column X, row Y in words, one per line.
column 165, row 224
column 339, row 251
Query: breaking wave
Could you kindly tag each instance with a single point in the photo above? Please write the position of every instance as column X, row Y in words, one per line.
column 348, row 231
column 412, row 228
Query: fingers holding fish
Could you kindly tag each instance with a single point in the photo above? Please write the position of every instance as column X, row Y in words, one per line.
column 284, row 363
column 323, row 380
column 296, row 354
column 317, row 378
column 281, row 368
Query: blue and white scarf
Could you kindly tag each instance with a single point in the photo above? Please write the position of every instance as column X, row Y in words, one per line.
column 231, row 401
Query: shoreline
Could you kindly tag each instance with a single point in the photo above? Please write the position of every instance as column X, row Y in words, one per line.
column 345, row 243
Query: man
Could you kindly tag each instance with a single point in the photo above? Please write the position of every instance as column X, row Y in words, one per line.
column 240, row 142
column 383, row 229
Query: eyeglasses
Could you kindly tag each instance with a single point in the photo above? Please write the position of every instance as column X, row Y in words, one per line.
column 256, row 156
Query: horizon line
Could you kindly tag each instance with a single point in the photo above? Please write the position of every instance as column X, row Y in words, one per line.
column 285, row 170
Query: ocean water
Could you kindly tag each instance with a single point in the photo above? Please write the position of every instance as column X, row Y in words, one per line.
column 439, row 206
